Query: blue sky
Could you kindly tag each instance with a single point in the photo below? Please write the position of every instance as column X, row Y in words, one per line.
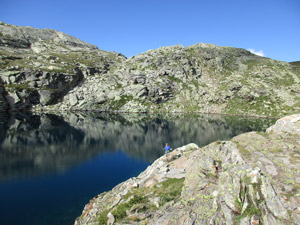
column 130, row 27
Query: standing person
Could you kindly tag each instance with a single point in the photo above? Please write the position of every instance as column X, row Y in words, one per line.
column 167, row 148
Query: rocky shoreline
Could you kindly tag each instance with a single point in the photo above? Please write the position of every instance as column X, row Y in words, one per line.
column 252, row 179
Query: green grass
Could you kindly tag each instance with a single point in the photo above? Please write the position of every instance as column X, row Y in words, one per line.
column 70, row 59
column 102, row 218
column 174, row 79
column 21, row 63
column 117, row 104
column 169, row 190
column 150, row 67
column 262, row 105
column 287, row 80
column 18, row 87
column 251, row 208
column 75, row 57
column 21, row 87
column 120, row 211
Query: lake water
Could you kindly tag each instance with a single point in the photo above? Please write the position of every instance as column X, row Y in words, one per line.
column 52, row 165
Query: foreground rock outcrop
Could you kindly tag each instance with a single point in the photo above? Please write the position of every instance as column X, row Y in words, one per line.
column 45, row 69
column 252, row 179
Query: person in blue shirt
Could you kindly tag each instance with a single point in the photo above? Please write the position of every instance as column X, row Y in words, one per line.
column 167, row 148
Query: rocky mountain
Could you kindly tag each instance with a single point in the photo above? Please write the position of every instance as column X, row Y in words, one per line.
column 252, row 179
column 40, row 66
column 43, row 69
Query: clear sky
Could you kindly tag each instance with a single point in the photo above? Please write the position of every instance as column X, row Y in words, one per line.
column 269, row 27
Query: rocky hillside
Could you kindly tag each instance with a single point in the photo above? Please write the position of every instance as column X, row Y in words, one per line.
column 48, row 70
column 252, row 179
column 40, row 66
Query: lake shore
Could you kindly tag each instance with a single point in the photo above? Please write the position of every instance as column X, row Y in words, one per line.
column 253, row 178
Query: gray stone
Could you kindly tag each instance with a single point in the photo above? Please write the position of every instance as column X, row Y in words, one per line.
column 45, row 97
column 101, row 98
column 111, row 219
column 289, row 124
column 73, row 99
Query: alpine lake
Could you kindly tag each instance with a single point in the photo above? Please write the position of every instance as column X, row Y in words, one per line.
column 51, row 165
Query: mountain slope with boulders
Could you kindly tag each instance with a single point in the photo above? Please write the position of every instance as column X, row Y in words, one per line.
column 43, row 69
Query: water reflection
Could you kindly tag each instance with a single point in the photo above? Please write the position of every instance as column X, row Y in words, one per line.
column 31, row 144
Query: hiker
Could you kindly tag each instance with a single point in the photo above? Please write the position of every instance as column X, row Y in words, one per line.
column 167, row 148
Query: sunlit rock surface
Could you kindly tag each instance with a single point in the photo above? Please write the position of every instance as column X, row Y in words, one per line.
column 252, row 179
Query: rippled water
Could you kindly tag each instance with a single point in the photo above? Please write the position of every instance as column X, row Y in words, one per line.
column 52, row 165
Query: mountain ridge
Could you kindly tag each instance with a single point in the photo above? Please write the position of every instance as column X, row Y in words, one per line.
column 56, row 73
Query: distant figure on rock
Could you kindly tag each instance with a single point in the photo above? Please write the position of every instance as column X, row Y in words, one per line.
column 167, row 148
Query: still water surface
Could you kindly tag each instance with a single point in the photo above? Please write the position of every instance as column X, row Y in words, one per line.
column 52, row 165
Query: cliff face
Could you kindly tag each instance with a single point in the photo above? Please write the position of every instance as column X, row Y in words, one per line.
column 48, row 70
column 252, row 179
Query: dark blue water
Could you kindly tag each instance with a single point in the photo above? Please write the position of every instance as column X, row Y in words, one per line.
column 55, row 198
column 52, row 165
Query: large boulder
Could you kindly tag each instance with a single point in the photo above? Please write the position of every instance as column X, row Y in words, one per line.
column 286, row 125
column 73, row 99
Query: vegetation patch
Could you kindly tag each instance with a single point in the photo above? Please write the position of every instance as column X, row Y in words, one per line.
column 102, row 218
column 141, row 200
column 117, row 104
column 252, row 206
column 251, row 63
column 246, row 153
column 169, row 190
column 286, row 80
column 18, row 87
column 262, row 105
column 120, row 211
column 172, row 78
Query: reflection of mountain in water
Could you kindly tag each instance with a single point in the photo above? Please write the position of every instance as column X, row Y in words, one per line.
column 37, row 144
